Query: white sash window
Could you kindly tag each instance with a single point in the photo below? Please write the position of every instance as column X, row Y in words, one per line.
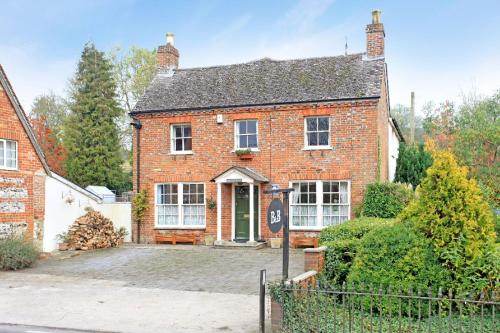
column 317, row 204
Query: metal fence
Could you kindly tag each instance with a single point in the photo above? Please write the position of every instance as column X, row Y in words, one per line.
column 369, row 309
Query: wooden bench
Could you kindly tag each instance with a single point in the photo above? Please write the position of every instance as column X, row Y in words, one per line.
column 305, row 242
column 176, row 238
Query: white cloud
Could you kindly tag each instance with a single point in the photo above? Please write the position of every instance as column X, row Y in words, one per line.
column 31, row 76
column 230, row 31
column 304, row 13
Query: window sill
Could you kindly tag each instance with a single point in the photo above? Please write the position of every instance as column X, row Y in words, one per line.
column 190, row 152
column 180, row 227
column 306, row 228
column 253, row 150
column 9, row 169
column 318, row 148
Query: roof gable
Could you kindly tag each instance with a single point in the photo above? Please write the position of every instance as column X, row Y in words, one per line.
column 4, row 82
column 264, row 82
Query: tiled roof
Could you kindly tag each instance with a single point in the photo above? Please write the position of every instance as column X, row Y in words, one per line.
column 264, row 82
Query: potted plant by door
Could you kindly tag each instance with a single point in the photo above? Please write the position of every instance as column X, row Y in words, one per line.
column 209, row 240
column 276, row 242
column 244, row 154
column 63, row 240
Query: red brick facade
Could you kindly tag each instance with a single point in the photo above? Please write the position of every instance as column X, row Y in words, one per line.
column 22, row 190
column 358, row 128
column 358, row 150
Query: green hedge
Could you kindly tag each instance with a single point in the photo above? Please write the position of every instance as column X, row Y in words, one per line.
column 342, row 242
column 16, row 254
column 386, row 200
column 401, row 257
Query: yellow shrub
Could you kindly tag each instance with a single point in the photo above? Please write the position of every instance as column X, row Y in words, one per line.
column 450, row 210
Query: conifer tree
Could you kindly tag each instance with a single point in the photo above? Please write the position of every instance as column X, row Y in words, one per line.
column 451, row 211
column 91, row 135
column 411, row 164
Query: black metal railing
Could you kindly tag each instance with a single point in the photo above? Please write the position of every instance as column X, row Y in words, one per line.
column 370, row 309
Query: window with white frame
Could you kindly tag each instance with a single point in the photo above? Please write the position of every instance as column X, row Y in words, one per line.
column 173, row 212
column 181, row 138
column 304, row 207
column 317, row 132
column 246, row 134
column 335, row 203
column 8, row 154
column 316, row 204
column 193, row 204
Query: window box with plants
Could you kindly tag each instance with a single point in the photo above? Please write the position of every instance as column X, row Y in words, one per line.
column 244, row 154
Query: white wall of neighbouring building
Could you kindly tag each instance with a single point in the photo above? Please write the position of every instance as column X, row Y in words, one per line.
column 59, row 214
column 393, row 150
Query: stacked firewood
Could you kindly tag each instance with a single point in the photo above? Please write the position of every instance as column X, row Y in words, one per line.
column 93, row 231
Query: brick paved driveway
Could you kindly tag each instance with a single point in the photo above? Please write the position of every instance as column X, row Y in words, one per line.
column 180, row 267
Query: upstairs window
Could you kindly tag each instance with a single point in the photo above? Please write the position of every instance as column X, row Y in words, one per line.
column 8, row 154
column 246, row 134
column 317, row 134
column 181, row 139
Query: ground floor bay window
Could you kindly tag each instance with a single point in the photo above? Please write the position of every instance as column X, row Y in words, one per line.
column 180, row 205
column 320, row 203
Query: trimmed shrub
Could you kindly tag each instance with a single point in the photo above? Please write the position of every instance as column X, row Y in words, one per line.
column 452, row 213
column 342, row 242
column 16, row 254
column 386, row 200
column 398, row 256
column 412, row 164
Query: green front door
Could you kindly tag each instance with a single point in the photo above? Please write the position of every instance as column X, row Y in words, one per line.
column 242, row 212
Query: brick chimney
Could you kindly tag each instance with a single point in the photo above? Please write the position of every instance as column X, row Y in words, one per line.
column 375, row 36
column 167, row 56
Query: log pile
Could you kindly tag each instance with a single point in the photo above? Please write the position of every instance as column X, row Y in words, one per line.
column 93, row 231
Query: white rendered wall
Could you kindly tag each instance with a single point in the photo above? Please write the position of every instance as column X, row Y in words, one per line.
column 393, row 151
column 59, row 215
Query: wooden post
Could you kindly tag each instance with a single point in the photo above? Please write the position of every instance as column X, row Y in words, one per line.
column 412, row 118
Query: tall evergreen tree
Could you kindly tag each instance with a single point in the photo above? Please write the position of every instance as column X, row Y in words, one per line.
column 91, row 134
column 411, row 164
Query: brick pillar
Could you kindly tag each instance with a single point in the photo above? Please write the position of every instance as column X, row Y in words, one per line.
column 314, row 259
column 276, row 316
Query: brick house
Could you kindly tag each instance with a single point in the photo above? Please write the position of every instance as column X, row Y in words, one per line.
column 319, row 125
column 22, row 170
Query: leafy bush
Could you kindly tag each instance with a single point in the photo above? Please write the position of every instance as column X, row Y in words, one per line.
column 452, row 213
column 16, row 254
column 398, row 256
column 342, row 242
column 411, row 164
column 386, row 200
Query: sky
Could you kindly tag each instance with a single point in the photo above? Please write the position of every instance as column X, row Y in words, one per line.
column 440, row 49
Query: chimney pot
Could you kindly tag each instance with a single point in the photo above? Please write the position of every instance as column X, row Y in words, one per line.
column 170, row 38
column 376, row 16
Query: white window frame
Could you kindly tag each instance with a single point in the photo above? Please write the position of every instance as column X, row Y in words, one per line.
column 4, row 165
column 180, row 192
column 319, row 203
column 237, row 134
column 318, row 147
column 172, row 140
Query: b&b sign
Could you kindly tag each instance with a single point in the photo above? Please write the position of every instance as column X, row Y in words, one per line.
column 275, row 215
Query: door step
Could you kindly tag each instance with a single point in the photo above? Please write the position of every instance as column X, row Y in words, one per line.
column 240, row 245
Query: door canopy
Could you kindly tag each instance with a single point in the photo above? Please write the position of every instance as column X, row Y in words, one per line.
column 237, row 174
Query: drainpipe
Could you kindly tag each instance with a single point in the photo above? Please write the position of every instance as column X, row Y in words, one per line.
column 137, row 125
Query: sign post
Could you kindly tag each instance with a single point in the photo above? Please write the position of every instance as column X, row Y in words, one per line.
column 277, row 216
